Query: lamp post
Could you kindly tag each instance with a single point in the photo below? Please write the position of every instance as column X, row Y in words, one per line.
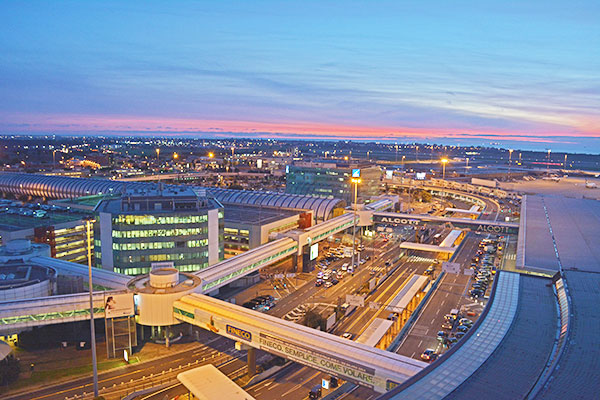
column 467, row 166
column 548, row 163
column 88, row 223
column 356, row 181
column 416, row 153
column 444, row 162
column 157, row 154
column 509, row 161
column 565, row 163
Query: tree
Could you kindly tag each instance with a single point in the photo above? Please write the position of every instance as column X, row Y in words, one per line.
column 313, row 319
column 10, row 368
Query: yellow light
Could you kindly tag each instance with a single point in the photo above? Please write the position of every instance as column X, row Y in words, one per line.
column 355, row 180
column 157, row 151
column 444, row 160
column 211, row 155
column 175, row 156
column 346, row 158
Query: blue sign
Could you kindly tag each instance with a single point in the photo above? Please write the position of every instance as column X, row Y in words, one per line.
column 356, row 173
column 240, row 333
column 287, row 169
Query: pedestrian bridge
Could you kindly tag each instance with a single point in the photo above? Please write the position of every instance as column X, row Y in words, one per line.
column 477, row 225
column 377, row 369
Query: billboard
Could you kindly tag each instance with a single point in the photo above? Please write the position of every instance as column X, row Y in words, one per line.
column 118, row 305
column 314, row 251
column 356, row 172
column 389, row 173
column 420, row 175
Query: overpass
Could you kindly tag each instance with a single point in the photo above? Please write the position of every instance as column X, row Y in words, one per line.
column 484, row 226
column 377, row 369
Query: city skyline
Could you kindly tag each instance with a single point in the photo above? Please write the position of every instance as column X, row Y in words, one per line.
column 524, row 76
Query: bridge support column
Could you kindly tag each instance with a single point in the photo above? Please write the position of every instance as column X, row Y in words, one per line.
column 251, row 357
column 298, row 262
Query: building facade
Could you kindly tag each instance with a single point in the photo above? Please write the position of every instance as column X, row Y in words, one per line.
column 332, row 179
column 173, row 225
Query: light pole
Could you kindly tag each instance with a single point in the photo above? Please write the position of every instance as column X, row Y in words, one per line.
column 356, row 181
column 88, row 223
column 509, row 161
column 416, row 153
column 548, row 163
column 444, row 162
column 157, row 154
column 467, row 166
column 565, row 163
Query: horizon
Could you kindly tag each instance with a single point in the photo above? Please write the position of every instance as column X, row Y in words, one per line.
column 469, row 73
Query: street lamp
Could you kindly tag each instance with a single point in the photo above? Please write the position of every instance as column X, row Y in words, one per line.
column 88, row 223
column 175, row 156
column 356, row 181
column 211, row 155
column 157, row 154
column 444, row 162
column 417, row 153
column 510, row 151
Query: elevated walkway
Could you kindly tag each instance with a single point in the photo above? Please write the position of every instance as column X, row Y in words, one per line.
column 478, row 225
column 224, row 272
column 100, row 277
column 355, row 362
column 18, row 315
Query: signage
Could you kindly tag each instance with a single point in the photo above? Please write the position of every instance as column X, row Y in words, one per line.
column 401, row 221
column 389, row 174
column 125, row 356
column 350, row 371
column 450, row 267
column 314, row 251
column 372, row 283
column 355, row 300
column 420, row 176
column 325, row 383
column 287, row 169
column 330, row 321
column 259, row 163
column 239, row 333
column 356, row 172
column 118, row 305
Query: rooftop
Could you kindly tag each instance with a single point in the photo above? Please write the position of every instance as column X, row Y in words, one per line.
column 253, row 215
column 27, row 216
column 557, row 231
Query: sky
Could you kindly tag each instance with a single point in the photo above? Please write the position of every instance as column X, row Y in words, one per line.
column 522, row 74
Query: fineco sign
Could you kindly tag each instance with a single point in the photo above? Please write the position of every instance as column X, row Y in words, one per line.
column 350, row 371
column 322, row 361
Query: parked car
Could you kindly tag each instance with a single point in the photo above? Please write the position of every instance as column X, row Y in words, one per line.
column 429, row 355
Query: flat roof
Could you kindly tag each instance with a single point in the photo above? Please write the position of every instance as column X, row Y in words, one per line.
column 208, row 383
column 17, row 222
column 253, row 215
column 374, row 332
column 557, row 231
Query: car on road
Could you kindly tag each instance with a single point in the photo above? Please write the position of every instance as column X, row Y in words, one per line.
column 319, row 282
column 475, row 293
column 462, row 328
column 347, row 335
column 442, row 334
column 334, row 281
column 328, row 284
column 315, row 392
column 429, row 270
column 459, row 335
column 429, row 355
column 447, row 325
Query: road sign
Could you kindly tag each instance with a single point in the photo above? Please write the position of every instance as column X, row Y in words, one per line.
column 450, row 267
column 356, row 172
column 355, row 300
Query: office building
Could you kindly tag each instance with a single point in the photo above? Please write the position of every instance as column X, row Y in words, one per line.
column 331, row 178
column 172, row 225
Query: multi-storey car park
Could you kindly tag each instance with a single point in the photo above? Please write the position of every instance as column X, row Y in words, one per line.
column 538, row 315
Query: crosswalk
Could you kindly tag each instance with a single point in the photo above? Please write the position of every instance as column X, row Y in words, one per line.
column 512, row 256
column 420, row 259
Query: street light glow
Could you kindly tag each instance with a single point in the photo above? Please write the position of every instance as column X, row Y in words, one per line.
column 211, row 155
column 175, row 156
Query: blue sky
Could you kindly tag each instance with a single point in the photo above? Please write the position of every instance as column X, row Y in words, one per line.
column 469, row 71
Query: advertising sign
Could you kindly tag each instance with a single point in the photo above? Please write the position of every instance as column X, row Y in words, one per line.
column 389, row 174
column 372, row 283
column 451, row 268
column 356, row 173
column 314, row 251
column 345, row 369
column 355, row 300
column 118, row 305
column 420, row 175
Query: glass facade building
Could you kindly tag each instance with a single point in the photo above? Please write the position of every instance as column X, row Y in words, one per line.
column 145, row 227
column 332, row 179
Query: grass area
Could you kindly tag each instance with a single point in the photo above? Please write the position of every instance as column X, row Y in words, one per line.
column 40, row 377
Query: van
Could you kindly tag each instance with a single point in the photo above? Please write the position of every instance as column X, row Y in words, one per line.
column 345, row 267
column 315, row 392
column 454, row 312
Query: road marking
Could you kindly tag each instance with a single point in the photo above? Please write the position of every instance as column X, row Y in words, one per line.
column 420, row 343
column 292, row 390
